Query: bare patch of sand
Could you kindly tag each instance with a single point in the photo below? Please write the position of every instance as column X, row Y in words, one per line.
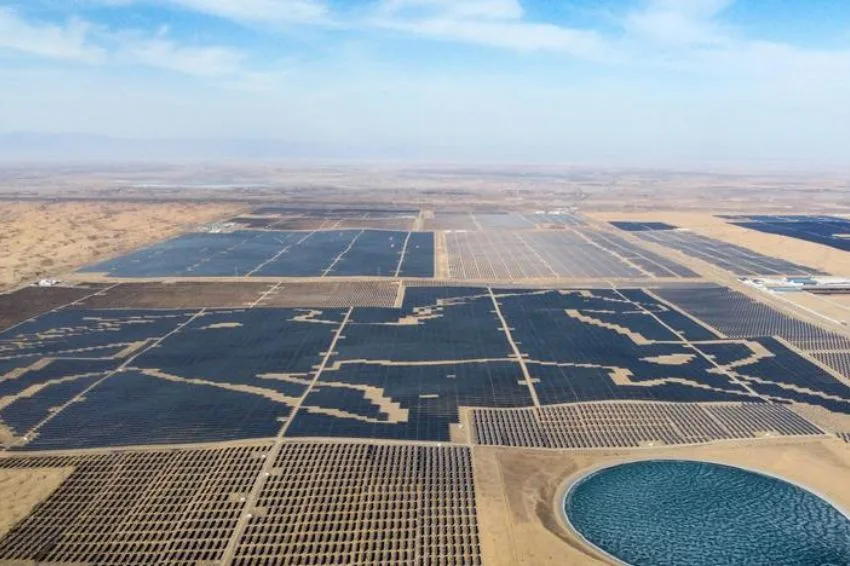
column 375, row 395
column 670, row 359
column 824, row 418
column 222, row 325
column 7, row 437
column 39, row 364
column 638, row 339
column 47, row 239
column 22, row 489
column 259, row 391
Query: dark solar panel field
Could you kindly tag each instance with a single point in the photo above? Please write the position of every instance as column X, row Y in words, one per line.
column 287, row 217
column 158, row 377
column 827, row 230
column 738, row 316
column 335, row 253
column 738, row 260
column 83, row 378
column 335, row 212
column 295, row 218
column 642, row 226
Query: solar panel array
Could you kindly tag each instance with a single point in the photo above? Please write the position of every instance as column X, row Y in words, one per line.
column 482, row 221
column 274, row 218
column 737, row 315
column 126, row 378
column 505, row 255
column 651, row 262
column 332, row 294
column 556, row 219
column 630, row 425
column 328, row 253
column 642, row 226
column 839, row 361
column 364, row 504
column 173, row 508
column 738, row 260
column 321, row 504
column 826, row 230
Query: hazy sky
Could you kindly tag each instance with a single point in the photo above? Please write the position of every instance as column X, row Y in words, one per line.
column 554, row 80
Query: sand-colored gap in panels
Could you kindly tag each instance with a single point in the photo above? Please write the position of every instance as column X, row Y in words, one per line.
column 394, row 412
column 270, row 394
column 635, row 337
column 670, row 359
column 31, row 390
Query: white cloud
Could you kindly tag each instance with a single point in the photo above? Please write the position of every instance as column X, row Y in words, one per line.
column 492, row 23
column 691, row 36
column 453, row 9
column 210, row 62
column 70, row 41
column 509, row 35
column 84, row 42
column 678, row 22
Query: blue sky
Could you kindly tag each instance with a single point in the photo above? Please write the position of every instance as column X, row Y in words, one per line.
column 569, row 81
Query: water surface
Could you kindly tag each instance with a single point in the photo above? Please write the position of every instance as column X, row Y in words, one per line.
column 683, row 513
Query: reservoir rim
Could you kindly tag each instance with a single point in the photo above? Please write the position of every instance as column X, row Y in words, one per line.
column 577, row 478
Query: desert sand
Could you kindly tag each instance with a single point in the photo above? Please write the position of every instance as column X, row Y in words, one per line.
column 45, row 239
column 23, row 488
column 519, row 491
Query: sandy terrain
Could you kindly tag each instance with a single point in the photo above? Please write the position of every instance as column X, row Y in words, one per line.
column 518, row 491
column 46, row 239
column 829, row 308
column 22, row 489
column 441, row 186
column 831, row 260
column 841, row 301
column 825, row 419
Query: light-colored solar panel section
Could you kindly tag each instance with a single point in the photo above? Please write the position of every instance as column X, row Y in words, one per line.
column 364, row 504
column 738, row 260
column 537, row 254
column 634, row 424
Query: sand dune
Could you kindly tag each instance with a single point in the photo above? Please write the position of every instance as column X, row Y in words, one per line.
column 46, row 239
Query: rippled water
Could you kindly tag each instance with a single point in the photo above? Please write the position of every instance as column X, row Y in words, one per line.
column 666, row 513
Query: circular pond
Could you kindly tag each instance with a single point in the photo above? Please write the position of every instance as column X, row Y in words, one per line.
column 673, row 513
